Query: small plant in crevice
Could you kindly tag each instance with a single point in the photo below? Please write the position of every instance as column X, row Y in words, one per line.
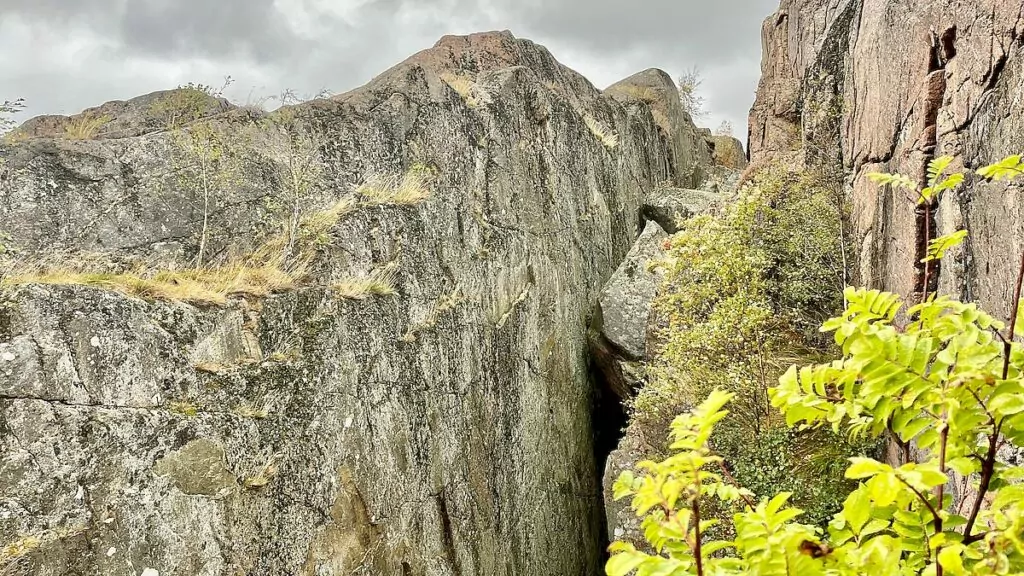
column 606, row 136
column 440, row 307
column 942, row 376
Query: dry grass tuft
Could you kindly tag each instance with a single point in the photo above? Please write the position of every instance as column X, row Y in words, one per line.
column 465, row 88
column 264, row 474
column 204, row 286
column 280, row 264
column 642, row 93
column 441, row 306
column 13, row 554
column 378, row 283
column 252, row 412
column 607, row 137
column 85, row 127
column 410, row 188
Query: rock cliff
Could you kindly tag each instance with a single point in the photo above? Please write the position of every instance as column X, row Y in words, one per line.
column 441, row 428
column 887, row 85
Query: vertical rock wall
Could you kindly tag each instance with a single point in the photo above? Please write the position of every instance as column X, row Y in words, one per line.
column 444, row 430
column 888, row 85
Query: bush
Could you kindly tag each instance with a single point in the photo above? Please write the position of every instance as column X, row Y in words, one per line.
column 742, row 291
column 946, row 380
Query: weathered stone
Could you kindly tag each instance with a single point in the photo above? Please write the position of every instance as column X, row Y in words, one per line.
column 198, row 468
column 912, row 81
column 443, row 430
column 728, row 152
column 622, row 521
column 627, row 297
column 670, row 206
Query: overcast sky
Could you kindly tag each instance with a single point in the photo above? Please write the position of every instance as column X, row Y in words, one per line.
column 66, row 55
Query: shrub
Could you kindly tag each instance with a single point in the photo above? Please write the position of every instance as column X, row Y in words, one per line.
column 947, row 378
column 741, row 291
column 689, row 93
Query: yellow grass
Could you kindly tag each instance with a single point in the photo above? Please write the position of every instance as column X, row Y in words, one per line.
column 642, row 93
column 14, row 553
column 607, row 137
column 212, row 286
column 85, row 127
column 378, row 283
column 465, row 88
column 409, row 188
column 278, row 265
column 252, row 412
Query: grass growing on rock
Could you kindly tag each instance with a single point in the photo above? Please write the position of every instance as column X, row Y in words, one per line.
column 605, row 135
column 464, row 87
column 396, row 189
column 279, row 264
column 85, row 127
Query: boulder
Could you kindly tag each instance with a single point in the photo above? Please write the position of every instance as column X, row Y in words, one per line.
column 626, row 299
column 669, row 207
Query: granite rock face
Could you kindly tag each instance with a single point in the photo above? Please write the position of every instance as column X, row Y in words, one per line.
column 874, row 85
column 442, row 430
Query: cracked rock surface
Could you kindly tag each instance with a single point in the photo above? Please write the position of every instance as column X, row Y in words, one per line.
column 887, row 86
column 304, row 434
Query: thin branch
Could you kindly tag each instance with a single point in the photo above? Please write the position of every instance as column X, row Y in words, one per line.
column 935, row 513
column 1008, row 342
column 988, row 467
column 732, row 480
column 697, row 544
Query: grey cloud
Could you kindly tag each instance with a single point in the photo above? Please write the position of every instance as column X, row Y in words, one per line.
column 253, row 41
column 208, row 28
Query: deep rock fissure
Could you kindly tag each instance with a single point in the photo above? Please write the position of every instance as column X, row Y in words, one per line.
column 609, row 415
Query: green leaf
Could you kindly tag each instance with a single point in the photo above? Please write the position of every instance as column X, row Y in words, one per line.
column 624, row 561
column 894, row 180
column 937, row 167
column 1009, row 167
column 861, row 468
column 937, row 248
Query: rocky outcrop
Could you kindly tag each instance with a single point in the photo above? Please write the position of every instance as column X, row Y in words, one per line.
column 867, row 85
column 444, row 429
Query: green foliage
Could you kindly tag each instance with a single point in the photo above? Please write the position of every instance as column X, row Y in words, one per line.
column 187, row 103
column 1009, row 167
column 743, row 292
column 940, row 376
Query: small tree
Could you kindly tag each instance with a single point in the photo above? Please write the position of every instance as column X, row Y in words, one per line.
column 724, row 129
column 949, row 380
column 205, row 166
column 693, row 101
column 9, row 108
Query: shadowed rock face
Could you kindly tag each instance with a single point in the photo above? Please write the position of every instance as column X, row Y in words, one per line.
column 875, row 85
column 442, row 430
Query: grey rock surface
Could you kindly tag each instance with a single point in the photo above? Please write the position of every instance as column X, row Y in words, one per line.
column 443, row 430
column 627, row 297
column 669, row 207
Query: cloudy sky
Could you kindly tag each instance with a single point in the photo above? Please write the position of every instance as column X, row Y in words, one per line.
column 66, row 55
